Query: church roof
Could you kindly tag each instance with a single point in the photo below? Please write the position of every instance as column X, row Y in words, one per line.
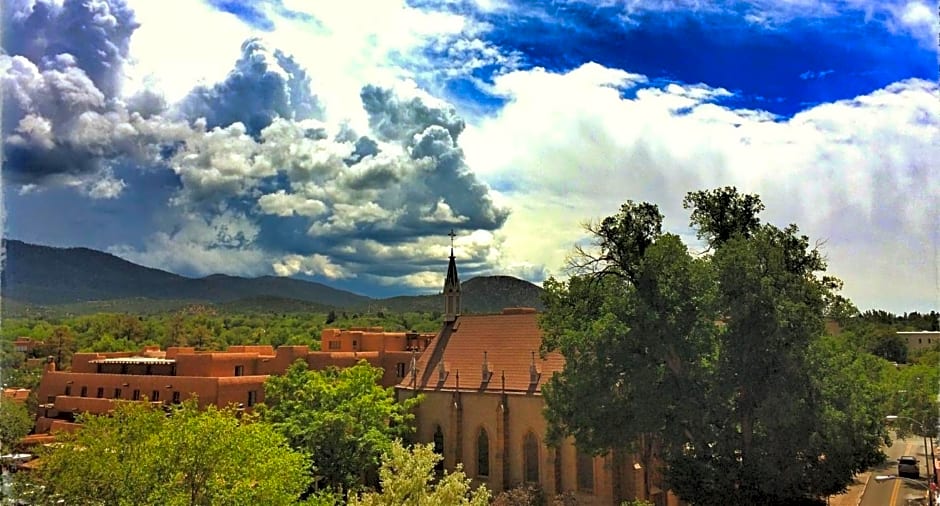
column 509, row 341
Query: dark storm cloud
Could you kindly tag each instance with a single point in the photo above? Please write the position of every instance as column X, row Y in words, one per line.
column 361, row 202
column 450, row 179
column 63, row 121
column 265, row 84
column 96, row 33
column 396, row 118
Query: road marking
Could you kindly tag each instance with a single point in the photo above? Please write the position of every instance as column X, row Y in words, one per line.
column 897, row 481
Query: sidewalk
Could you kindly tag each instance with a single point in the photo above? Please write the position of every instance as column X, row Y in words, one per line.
column 853, row 495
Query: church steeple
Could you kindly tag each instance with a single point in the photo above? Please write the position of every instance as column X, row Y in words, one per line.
column 451, row 286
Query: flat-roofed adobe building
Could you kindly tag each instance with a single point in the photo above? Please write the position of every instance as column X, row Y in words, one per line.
column 920, row 340
column 482, row 381
column 221, row 378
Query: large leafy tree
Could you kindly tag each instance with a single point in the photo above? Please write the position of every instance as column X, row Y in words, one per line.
column 708, row 358
column 144, row 455
column 913, row 397
column 342, row 418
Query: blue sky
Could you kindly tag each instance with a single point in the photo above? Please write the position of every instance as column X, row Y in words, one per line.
column 340, row 142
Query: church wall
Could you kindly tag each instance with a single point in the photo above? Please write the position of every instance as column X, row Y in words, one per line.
column 506, row 442
column 482, row 411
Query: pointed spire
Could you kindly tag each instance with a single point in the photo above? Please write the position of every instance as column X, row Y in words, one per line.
column 451, row 286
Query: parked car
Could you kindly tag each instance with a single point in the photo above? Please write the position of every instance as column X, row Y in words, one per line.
column 907, row 466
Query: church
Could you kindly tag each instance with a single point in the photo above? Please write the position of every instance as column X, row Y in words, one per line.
column 482, row 379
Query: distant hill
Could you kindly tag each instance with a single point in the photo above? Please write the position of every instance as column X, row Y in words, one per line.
column 487, row 294
column 42, row 279
column 47, row 276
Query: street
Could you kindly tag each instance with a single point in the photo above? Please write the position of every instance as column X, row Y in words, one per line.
column 897, row 492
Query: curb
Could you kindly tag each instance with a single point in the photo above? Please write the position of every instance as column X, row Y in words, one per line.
column 864, row 489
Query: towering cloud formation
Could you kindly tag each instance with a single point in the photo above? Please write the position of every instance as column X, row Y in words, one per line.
column 265, row 84
column 63, row 119
column 321, row 192
column 400, row 119
column 96, row 34
column 263, row 184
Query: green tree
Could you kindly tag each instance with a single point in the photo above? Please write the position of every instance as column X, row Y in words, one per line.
column 408, row 479
column 723, row 213
column 708, row 360
column 61, row 345
column 852, row 385
column 342, row 418
column 15, row 422
column 142, row 455
column 913, row 398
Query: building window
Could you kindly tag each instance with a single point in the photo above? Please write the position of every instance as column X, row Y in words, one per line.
column 530, row 452
column 439, row 448
column 252, row 398
column 84, row 391
column 585, row 472
column 136, row 395
column 100, row 393
column 176, row 397
column 68, row 389
column 400, row 370
column 483, row 453
column 117, row 393
column 155, row 396
column 334, row 345
column 239, row 370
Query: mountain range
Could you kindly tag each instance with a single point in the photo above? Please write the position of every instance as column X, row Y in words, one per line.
column 88, row 280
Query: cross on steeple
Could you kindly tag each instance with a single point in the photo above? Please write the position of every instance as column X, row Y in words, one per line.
column 452, row 234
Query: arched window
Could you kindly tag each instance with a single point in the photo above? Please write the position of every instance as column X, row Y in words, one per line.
column 585, row 472
column 483, row 453
column 439, row 448
column 530, row 451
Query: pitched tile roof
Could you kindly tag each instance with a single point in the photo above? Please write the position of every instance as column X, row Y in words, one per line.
column 508, row 340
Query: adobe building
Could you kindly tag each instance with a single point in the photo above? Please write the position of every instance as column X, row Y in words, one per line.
column 920, row 340
column 16, row 394
column 232, row 377
column 482, row 380
column 26, row 345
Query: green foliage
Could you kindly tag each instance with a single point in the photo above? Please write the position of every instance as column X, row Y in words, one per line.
column 342, row 418
column 13, row 370
column 712, row 362
column 15, row 422
column 622, row 240
column 408, row 479
column 142, row 455
column 722, row 213
column 852, row 384
column 524, row 495
column 196, row 325
column 913, row 398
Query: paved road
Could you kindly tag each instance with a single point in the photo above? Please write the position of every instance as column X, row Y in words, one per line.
column 897, row 492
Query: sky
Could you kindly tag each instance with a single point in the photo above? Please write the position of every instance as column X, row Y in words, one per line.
column 340, row 142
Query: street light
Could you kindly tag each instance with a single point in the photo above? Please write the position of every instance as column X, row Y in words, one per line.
column 923, row 430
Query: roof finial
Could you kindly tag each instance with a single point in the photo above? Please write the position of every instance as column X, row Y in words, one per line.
column 452, row 234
